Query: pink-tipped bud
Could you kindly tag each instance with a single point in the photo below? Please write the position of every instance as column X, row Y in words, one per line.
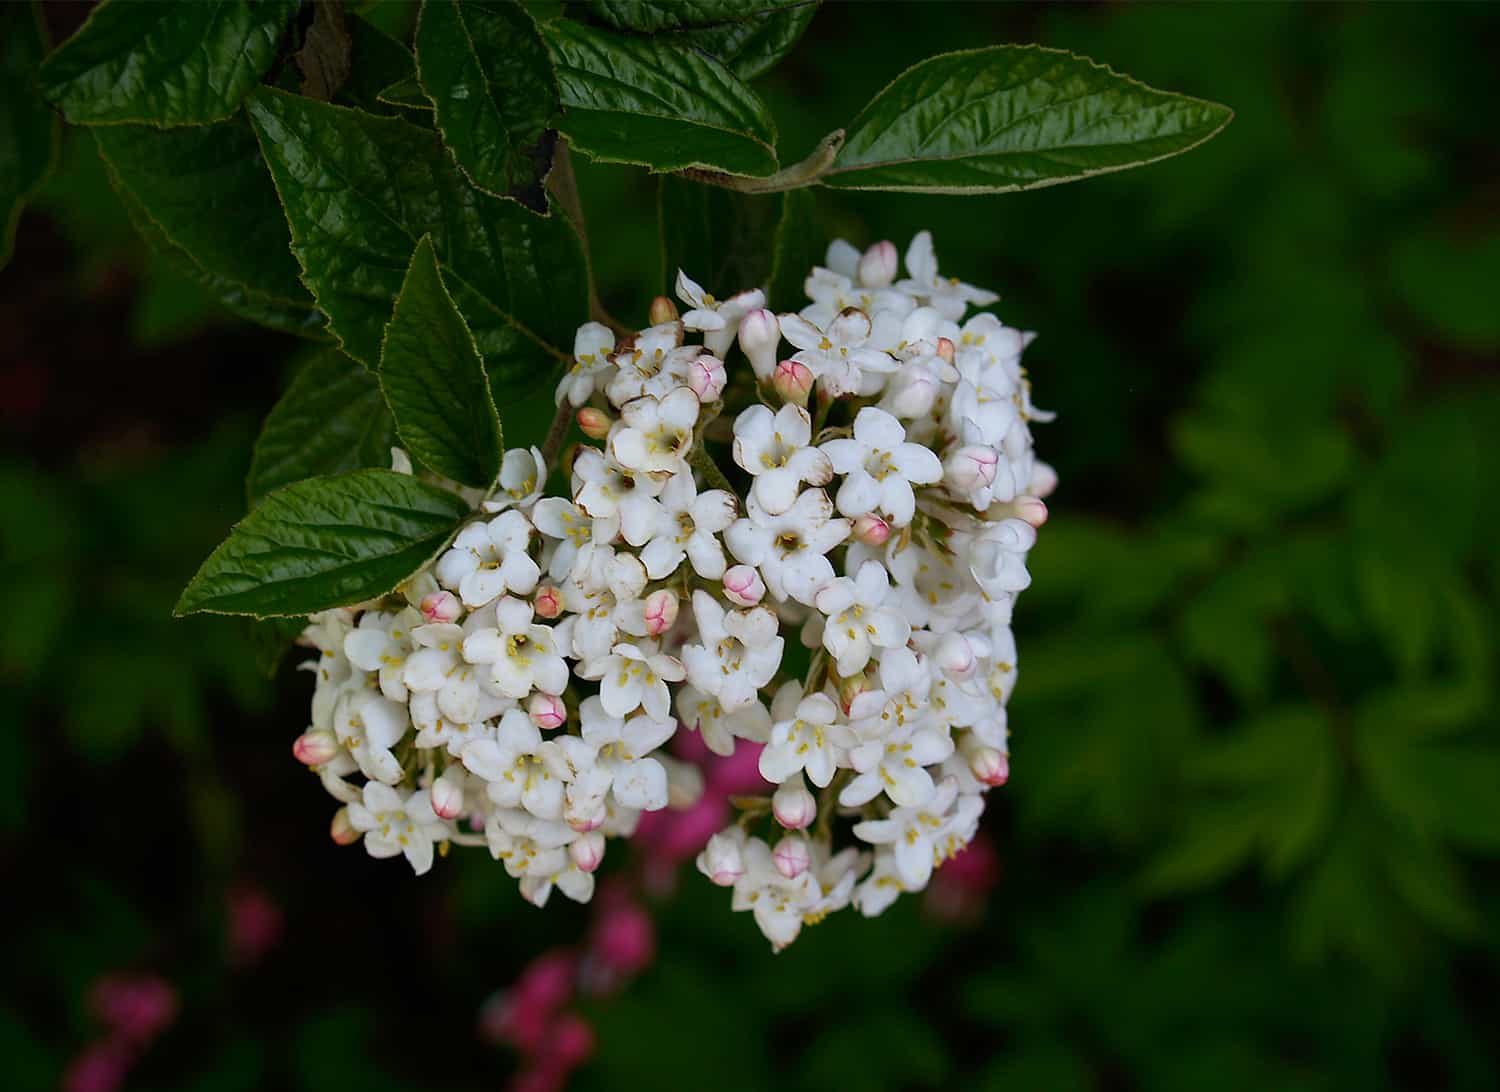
column 743, row 585
column 791, row 856
column 548, row 601
column 587, row 851
column 341, row 830
column 706, row 378
column 594, row 423
column 877, row 266
column 971, row 467
column 585, row 814
column 441, row 606
column 851, row 687
column 1043, row 479
column 793, row 806
column 760, row 336
column 663, row 310
column 721, row 860
column 945, row 349
column 956, row 657
column 662, row 607
column 547, row 711
column 989, row 766
column 793, row 381
column 914, row 396
column 872, row 530
column 448, row 795
column 1031, row 509
column 315, row 747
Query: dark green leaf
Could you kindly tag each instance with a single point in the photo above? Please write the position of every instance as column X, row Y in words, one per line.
column 406, row 93
column 800, row 244
column 164, row 62
column 359, row 191
column 653, row 15
column 325, row 58
column 325, row 542
column 378, row 61
column 1014, row 118
column 655, row 103
column 28, row 128
column 485, row 69
column 1447, row 280
column 331, row 419
column 755, row 45
column 434, row 379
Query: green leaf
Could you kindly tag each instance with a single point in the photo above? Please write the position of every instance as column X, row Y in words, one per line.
column 28, row 128
column 756, row 44
column 658, row 104
column 359, row 191
column 1442, row 279
column 653, row 15
column 406, row 93
column 378, row 61
column 1014, row 118
column 799, row 244
column 164, row 62
column 325, row 542
column 203, row 192
column 332, row 418
column 434, row 380
column 485, row 69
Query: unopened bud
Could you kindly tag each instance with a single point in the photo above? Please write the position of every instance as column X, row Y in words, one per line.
column 315, row 747
column 914, row 396
column 587, row 851
column 945, row 349
column 548, row 602
column 851, row 687
column 661, row 611
column 1043, row 479
column 440, row 606
column 569, row 1047
column 663, row 310
column 877, row 266
column 791, row 856
column 721, row 860
column 1031, row 509
column 586, row 814
column 970, row 467
column 594, row 423
column 793, row 806
column 872, row 530
column 743, row 585
column 706, row 378
column 342, row 828
column 989, row 766
column 760, row 335
column 448, row 795
column 793, row 381
column 956, row 657
column 547, row 711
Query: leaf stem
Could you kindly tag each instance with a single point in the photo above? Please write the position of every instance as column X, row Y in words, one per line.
column 564, row 186
column 556, row 433
column 795, row 177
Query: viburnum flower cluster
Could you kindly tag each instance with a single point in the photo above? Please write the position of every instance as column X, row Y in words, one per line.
column 810, row 547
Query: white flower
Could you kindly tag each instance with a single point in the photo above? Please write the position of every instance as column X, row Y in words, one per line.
column 369, row 725
column 526, row 845
column 653, row 362
column 812, row 740
column 393, row 824
column 773, row 448
column 881, row 887
column 605, row 490
column 635, row 676
column 718, row 320
column 880, row 467
column 947, row 294
column 790, row 549
column 777, row 903
column 523, row 770
column 607, row 599
column 838, row 355
column 896, row 764
column 723, row 858
column 858, row 620
column 739, row 653
column 591, row 348
column 521, row 656
column 572, row 881
column 913, row 834
column 704, row 714
column 523, row 473
column 438, row 665
column 381, row 643
column 614, row 755
column 489, row 559
column 686, row 523
column 561, row 519
column 656, row 433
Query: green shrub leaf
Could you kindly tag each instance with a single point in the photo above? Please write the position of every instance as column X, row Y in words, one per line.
column 1014, row 118
column 434, row 379
column 28, row 129
column 325, row 542
column 164, row 62
column 756, row 44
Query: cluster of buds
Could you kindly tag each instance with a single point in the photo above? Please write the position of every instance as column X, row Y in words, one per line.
column 812, row 552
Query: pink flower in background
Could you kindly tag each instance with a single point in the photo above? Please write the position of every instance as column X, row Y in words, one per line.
column 100, row 1068
column 959, row 889
column 135, row 1008
column 520, row 1016
column 254, row 927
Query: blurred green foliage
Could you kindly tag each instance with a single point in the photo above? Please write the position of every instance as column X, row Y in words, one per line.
column 1251, row 834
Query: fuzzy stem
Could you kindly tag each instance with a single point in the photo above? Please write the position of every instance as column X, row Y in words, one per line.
column 798, row 175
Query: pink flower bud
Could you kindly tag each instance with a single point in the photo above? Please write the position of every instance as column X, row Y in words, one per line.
column 136, row 1007
column 971, row 467
column 956, row 657
column 548, row 602
column 760, row 334
column 945, row 349
column 663, row 310
column 989, row 766
column 594, row 423
column 547, row 711
column 871, row 530
column 571, row 1044
column 1043, row 479
column 793, row 806
column 315, row 747
column 721, row 860
column 1032, row 510
column 877, row 266
column 587, row 851
column 341, row 830
column 586, row 814
column 706, row 378
column 793, row 381
column 448, row 796
column 441, row 606
column 743, row 585
column 791, row 856
column 662, row 607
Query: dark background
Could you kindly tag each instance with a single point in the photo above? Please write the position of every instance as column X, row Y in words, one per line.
column 1250, row 836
